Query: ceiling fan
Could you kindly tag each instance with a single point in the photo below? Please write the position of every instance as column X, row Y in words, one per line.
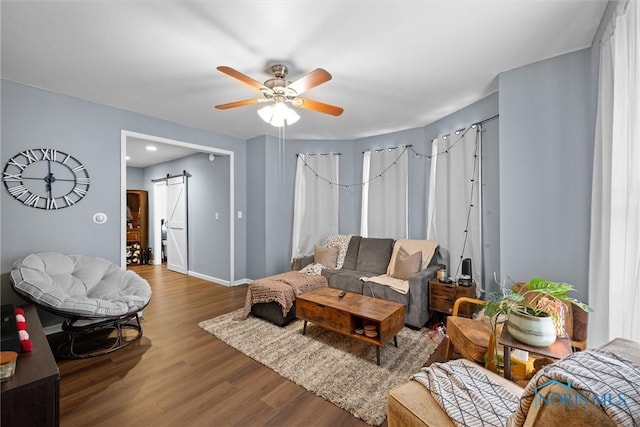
column 278, row 91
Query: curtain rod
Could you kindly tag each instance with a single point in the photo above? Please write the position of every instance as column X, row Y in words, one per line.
column 472, row 126
column 184, row 173
column 320, row 154
column 489, row 119
column 378, row 150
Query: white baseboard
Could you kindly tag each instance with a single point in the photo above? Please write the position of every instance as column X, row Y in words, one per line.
column 217, row 280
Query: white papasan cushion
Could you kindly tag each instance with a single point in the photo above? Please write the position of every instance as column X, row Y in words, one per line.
column 81, row 285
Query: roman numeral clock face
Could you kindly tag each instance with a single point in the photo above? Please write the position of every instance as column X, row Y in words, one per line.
column 45, row 178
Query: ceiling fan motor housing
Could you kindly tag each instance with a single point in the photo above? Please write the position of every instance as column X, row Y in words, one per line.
column 279, row 71
column 279, row 84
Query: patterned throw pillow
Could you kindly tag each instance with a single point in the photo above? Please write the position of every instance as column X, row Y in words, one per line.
column 341, row 241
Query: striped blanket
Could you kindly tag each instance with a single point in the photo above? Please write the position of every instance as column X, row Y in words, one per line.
column 468, row 395
column 596, row 376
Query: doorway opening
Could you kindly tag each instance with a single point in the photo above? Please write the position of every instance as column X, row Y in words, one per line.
column 127, row 136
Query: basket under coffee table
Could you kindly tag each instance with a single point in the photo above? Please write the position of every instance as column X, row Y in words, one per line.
column 324, row 308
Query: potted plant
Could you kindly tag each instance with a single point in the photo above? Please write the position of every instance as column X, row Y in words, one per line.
column 533, row 311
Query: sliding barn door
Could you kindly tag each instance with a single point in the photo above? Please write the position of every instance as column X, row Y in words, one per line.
column 177, row 259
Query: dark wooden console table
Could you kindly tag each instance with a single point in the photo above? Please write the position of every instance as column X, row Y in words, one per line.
column 32, row 396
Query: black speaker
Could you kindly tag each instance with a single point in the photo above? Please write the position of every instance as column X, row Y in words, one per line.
column 466, row 268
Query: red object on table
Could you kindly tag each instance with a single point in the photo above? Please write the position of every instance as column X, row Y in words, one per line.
column 25, row 344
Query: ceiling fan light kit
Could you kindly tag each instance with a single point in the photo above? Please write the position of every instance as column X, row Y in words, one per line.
column 278, row 115
column 278, row 92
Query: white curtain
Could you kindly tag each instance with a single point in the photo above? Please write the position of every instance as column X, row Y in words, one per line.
column 453, row 212
column 614, row 267
column 384, row 194
column 316, row 209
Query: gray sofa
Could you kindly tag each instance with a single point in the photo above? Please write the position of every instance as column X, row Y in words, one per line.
column 368, row 257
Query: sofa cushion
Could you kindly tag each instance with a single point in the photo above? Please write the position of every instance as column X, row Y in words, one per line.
column 377, row 290
column 347, row 280
column 351, row 257
column 374, row 255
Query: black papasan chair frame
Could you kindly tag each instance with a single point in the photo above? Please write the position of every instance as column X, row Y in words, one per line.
column 65, row 350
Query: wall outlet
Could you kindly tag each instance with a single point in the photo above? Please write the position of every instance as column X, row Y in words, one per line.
column 217, row 216
column 239, row 214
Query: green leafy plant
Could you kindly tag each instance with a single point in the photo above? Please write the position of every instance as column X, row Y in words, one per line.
column 534, row 298
column 538, row 297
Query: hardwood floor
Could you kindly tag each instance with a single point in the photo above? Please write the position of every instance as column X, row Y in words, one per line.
column 178, row 374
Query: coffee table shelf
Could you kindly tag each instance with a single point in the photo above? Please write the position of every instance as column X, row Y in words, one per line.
column 325, row 308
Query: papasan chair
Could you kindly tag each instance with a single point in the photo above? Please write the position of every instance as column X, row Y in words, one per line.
column 92, row 294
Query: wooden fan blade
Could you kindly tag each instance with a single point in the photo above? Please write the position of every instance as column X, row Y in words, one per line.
column 321, row 107
column 237, row 104
column 310, row 80
column 242, row 77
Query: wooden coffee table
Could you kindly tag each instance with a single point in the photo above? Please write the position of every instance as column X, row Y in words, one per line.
column 324, row 308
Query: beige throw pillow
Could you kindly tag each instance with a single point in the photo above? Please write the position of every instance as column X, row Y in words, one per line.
column 407, row 265
column 327, row 256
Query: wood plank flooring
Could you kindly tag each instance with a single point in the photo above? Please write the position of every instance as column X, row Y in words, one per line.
column 178, row 374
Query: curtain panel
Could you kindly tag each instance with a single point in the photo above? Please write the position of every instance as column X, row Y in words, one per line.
column 384, row 194
column 316, row 207
column 614, row 264
column 453, row 194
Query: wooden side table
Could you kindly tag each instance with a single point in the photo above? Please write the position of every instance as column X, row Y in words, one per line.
column 443, row 295
column 32, row 396
column 557, row 350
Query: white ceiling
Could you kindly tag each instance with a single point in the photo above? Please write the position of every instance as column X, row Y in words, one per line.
column 395, row 64
column 140, row 157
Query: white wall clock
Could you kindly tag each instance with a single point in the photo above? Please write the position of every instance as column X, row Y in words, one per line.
column 45, row 178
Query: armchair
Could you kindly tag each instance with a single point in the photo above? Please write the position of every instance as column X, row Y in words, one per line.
column 471, row 338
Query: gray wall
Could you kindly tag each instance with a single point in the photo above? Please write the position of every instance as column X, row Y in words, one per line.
column 207, row 193
column 547, row 116
column 135, row 178
column 34, row 118
column 477, row 112
column 256, row 203
column 270, row 201
column 536, row 174
column 419, row 172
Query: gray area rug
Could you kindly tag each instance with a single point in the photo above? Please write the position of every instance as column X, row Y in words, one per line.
column 335, row 367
